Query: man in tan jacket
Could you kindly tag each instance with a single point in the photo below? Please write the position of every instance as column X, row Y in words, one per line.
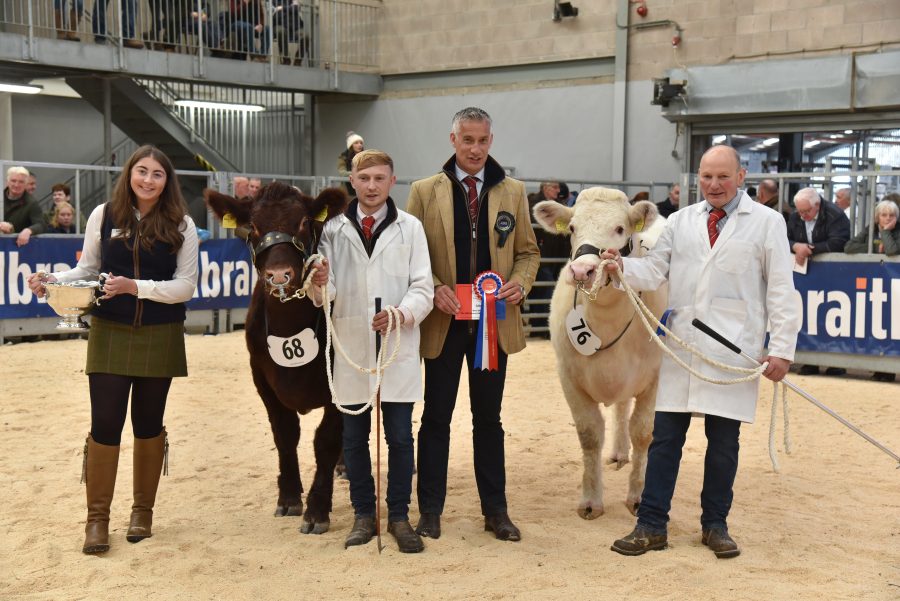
column 476, row 219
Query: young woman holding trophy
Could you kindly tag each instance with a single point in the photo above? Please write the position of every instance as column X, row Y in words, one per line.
column 144, row 244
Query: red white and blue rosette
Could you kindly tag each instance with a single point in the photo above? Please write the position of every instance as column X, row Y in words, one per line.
column 487, row 285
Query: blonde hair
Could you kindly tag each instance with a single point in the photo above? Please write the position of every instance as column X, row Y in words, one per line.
column 372, row 158
column 54, row 221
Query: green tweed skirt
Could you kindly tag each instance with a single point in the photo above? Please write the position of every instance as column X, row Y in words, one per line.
column 148, row 351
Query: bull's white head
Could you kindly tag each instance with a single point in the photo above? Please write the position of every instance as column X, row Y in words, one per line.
column 601, row 218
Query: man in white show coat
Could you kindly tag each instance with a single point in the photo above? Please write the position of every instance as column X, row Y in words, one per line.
column 375, row 250
column 728, row 263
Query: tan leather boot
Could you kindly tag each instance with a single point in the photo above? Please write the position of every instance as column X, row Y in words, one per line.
column 149, row 456
column 101, row 462
column 58, row 19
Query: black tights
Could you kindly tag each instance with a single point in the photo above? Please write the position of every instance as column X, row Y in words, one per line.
column 109, row 406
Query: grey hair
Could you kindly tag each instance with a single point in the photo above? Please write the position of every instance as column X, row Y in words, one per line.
column 810, row 194
column 890, row 205
column 16, row 170
column 471, row 113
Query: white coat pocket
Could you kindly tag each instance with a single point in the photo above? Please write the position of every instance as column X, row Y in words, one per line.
column 396, row 260
column 734, row 256
column 727, row 316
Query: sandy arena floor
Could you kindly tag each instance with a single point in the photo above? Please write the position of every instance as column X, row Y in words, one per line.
column 826, row 528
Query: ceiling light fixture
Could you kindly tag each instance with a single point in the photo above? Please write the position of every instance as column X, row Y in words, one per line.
column 20, row 88
column 222, row 106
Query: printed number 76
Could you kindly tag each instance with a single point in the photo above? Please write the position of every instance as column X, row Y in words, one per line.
column 582, row 336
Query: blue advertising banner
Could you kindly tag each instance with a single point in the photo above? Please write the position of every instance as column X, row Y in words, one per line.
column 226, row 276
column 850, row 307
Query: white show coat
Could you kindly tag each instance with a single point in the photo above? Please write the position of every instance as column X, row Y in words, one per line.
column 399, row 272
column 736, row 287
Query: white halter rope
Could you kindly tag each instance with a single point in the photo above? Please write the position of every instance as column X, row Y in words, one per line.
column 391, row 335
column 751, row 373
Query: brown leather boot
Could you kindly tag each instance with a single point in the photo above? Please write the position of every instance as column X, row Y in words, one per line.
column 101, row 462
column 73, row 26
column 58, row 20
column 149, row 456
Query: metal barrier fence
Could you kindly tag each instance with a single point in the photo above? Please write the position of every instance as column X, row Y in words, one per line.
column 323, row 34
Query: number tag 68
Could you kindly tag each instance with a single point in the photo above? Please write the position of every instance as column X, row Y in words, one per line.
column 294, row 351
column 580, row 335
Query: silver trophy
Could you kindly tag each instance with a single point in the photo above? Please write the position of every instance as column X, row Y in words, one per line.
column 70, row 301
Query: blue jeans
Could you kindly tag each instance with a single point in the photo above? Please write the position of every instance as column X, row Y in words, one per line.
column 663, row 458
column 98, row 21
column 245, row 33
column 397, row 419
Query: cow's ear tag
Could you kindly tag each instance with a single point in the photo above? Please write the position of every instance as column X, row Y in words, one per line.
column 561, row 227
column 639, row 226
column 322, row 214
column 228, row 221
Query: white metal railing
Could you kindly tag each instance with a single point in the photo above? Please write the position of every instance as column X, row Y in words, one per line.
column 324, row 34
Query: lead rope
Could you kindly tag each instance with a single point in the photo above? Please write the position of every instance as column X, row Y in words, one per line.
column 751, row 373
column 391, row 335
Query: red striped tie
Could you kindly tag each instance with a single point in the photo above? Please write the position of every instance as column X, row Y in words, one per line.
column 367, row 222
column 711, row 225
column 473, row 196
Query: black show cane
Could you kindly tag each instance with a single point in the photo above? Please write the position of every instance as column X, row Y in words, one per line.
column 378, row 438
column 731, row 346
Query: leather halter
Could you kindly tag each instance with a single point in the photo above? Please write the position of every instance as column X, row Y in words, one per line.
column 273, row 239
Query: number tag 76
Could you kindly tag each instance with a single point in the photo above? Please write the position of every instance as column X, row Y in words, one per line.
column 580, row 335
column 294, row 351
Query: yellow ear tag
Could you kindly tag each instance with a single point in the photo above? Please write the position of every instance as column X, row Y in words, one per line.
column 322, row 215
column 228, row 221
column 639, row 226
column 561, row 226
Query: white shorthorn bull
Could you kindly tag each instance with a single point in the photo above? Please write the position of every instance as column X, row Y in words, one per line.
column 625, row 365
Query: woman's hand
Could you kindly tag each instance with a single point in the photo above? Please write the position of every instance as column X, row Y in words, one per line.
column 36, row 283
column 118, row 284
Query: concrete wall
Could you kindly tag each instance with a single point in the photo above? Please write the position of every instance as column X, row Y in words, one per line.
column 559, row 132
column 431, row 35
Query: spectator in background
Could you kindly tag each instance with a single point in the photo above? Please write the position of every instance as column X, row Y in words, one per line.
column 66, row 28
column 21, row 211
column 816, row 227
column 566, row 197
column 887, row 241
column 767, row 194
column 254, row 185
column 241, row 186
column 288, row 28
column 61, row 193
column 128, row 8
column 553, row 246
column 893, row 197
column 671, row 203
column 31, row 187
column 63, row 219
column 842, row 200
column 246, row 18
column 355, row 145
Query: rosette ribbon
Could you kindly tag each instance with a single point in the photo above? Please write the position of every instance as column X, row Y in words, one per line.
column 487, row 285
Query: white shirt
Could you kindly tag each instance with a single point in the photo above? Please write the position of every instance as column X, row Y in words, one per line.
column 479, row 179
column 179, row 289
column 379, row 215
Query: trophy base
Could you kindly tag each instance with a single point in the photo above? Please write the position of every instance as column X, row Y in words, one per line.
column 72, row 324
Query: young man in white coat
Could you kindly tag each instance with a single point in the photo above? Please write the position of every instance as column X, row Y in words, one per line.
column 374, row 251
column 728, row 263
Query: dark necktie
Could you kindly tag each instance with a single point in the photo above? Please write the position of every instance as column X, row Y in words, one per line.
column 470, row 182
column 367, row 222
column 711, row 225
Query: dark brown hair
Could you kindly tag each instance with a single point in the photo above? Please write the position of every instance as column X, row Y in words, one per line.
column 163, row 223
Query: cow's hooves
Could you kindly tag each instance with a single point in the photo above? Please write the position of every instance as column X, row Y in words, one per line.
column 340, row 473
column 289, row 510
column 315, row 527
column 590, row 512
column 632, row 507
column 619, row 461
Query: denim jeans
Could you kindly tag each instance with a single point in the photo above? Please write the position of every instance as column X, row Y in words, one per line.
column 129, row 10
column 664, row 457
column 397, row 419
